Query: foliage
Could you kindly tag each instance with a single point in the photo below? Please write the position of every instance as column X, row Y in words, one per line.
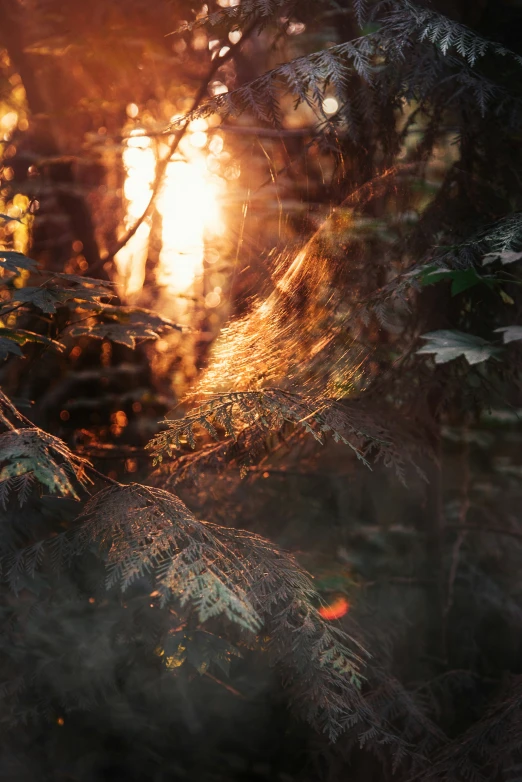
column 421, row 241
column 29, row 454
column 80, row 295
column 448, row 345
column 403, row 26
column 269, row 410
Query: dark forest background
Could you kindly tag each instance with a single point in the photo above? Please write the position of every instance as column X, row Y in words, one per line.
column 340, row 377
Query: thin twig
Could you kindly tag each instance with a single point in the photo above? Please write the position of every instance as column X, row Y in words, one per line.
column 238, row 130
column 225, row 685
column 101, row 475
column 453, row 570
column 481, row 528
column 461, row 536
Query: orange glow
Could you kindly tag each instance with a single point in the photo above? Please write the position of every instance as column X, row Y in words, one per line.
column 140, row 167
column 187, row 205
column 338, row 608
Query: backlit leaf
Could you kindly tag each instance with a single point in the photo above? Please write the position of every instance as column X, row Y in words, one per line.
column 511, row 333
column 12, row 261
column 447, row 344
column 116, row 332
column 11, row 340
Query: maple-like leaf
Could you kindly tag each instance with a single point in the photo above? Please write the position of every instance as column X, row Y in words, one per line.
column 504, row 256
column 12, row 261
column 134, row 315
column 511, row 333
column 12, row 340
column 49, row 298
column 128, row 325
column 78, row 279
column 9, row 346
column 124, row 334
column 448, row 344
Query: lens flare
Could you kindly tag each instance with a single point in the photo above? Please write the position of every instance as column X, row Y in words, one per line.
column 335, row 610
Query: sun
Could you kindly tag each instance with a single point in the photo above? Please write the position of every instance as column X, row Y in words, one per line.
column 188, row 206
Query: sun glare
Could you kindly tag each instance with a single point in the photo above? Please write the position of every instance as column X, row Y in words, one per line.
column 188, row 205
column 139, row 161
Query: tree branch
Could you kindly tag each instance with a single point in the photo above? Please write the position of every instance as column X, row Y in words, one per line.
column 481, row 528
column 238, row 130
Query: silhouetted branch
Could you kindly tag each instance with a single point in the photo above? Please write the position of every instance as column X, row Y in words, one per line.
column 177, row 137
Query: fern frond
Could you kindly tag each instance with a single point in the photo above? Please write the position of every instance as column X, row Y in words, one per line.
column 249, row 417
column 268, row 410
column 246, row 13
column 502, row 239
column 304, row 77
column 407, row 20
column 7, row 407
column 403, row 26
column 220, row 571
column 361, row 10
column 244, row 451
column 487, row 748
column 31, row 454
column 504, row 236
column 152, row 531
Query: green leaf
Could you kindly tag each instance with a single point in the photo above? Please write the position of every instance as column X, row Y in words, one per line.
column 429, row 275
column 461, row 279
column 448, row 344
column 464, row 279
column 45, row 299
column 200, row 649
column 205, row 649
column 511, row 333
column 129, row 325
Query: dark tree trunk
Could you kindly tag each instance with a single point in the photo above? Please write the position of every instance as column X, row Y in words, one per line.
column 57, row 187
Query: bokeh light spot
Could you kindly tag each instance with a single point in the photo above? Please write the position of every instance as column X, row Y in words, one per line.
column 335, row 610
